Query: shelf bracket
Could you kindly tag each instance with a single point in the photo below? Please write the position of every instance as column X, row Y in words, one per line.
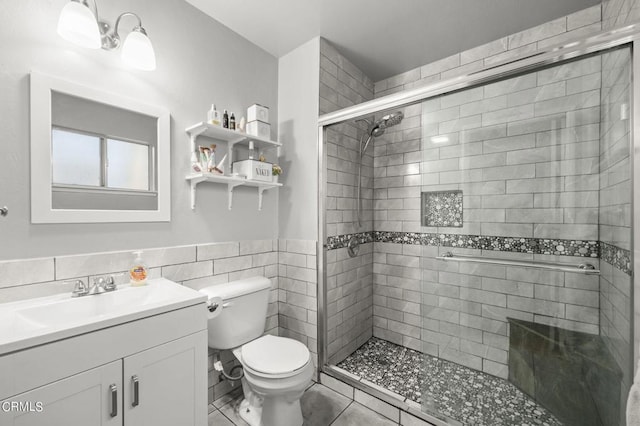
column 260, row 191
column 194, row 183
column 193, row 194
column 230, row 187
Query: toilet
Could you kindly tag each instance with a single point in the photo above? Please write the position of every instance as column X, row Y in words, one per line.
column 277, row 370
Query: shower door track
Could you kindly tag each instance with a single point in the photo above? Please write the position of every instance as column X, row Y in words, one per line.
column 574, row 49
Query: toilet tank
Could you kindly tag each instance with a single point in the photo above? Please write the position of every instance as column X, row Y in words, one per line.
column 241, row 313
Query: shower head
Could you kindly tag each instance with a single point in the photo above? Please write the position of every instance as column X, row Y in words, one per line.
column 389, row 120
column 378, row 127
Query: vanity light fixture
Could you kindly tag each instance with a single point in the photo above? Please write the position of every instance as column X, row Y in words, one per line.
column 80, row 25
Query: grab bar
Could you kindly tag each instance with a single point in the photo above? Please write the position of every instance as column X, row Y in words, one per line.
column 584, row 268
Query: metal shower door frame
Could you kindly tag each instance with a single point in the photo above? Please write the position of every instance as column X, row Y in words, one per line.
column 574, row 49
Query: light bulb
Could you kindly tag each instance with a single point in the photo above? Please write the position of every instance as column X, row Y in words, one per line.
column 78, row 25
column 137, row 51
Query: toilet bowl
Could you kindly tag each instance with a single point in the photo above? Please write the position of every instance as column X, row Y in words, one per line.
column 277, row 370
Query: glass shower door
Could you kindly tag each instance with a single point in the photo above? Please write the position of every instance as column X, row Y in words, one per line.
column 525, row 226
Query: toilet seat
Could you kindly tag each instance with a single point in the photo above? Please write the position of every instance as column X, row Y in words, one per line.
column 275, row 356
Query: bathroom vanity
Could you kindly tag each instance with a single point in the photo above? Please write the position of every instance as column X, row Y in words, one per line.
column 130, row 357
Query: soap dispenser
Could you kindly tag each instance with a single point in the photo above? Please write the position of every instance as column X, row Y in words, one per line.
column 138, row 273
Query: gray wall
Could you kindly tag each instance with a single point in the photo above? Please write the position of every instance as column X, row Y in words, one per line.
column 298, row 128
column 199, row 62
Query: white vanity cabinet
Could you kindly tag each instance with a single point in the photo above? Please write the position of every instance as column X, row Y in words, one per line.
column 90, row 398
column 160, row 384
column 144, row 370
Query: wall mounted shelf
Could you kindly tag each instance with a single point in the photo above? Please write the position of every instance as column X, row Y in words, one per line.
column 232, row 138
column 231, row 182
column 229, row 136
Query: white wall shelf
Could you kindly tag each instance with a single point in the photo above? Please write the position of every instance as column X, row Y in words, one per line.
column 231, row 182
column 232, row 138
column 229, row 136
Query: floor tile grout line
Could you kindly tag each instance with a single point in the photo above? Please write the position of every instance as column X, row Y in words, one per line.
column 341, row 412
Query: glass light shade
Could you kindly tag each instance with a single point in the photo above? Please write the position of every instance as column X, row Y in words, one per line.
column 78, row 25
column 137, row 51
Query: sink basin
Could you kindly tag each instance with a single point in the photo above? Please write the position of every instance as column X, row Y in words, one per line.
column 36, row 321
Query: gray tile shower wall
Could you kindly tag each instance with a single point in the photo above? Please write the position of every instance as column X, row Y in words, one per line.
column 459, row 311
column 349, row 301
column 349, row 281
column 526, row 154
column 616, row 13
column 615, row 210
column 583, row 22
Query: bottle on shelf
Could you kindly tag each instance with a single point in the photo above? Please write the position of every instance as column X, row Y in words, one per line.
column 213, row 116
column 232, row 122
column 252, row 151
column 225, row 119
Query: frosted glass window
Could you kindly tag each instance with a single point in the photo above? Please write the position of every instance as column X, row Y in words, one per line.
column 75, row 158
column 128, row 165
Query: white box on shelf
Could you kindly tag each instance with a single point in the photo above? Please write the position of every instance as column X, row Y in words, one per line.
column 259, row 129
column 254, row 170
column 258, row 113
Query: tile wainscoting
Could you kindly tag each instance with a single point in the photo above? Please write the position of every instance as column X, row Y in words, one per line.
column 289, row 264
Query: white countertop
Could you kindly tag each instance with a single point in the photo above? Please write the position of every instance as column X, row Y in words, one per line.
column 33, row 322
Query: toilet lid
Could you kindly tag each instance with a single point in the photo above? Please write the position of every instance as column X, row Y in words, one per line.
column 275, row 355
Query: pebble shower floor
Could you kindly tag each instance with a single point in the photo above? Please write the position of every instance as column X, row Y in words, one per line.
column 445, row 388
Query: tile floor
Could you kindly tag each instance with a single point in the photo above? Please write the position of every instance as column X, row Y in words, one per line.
column 321, row 406
column 445, row 388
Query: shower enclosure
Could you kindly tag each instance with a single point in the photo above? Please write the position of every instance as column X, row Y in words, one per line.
column 478, row 238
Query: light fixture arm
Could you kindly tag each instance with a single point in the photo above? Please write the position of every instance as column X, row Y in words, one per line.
column 80, row 24
column 95, row 7
column 111, row 40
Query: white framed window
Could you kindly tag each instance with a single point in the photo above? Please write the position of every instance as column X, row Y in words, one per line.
column 91, row 162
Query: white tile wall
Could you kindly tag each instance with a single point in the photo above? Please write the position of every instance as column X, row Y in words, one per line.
column 297, row 293
column 527, row 152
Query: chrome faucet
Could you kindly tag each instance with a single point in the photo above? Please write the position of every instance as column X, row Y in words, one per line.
column 100, row 285
column 79, row 289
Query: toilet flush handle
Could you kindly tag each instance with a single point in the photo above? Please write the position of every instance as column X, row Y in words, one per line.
column 212, row 306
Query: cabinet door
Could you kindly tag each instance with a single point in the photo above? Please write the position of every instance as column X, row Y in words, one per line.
column 167, row 385
column 91, row 398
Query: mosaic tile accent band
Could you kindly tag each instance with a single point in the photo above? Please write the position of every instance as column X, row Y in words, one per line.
column 340, row 241
column 507, row 244
column 617, row 257
column 442, row 208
